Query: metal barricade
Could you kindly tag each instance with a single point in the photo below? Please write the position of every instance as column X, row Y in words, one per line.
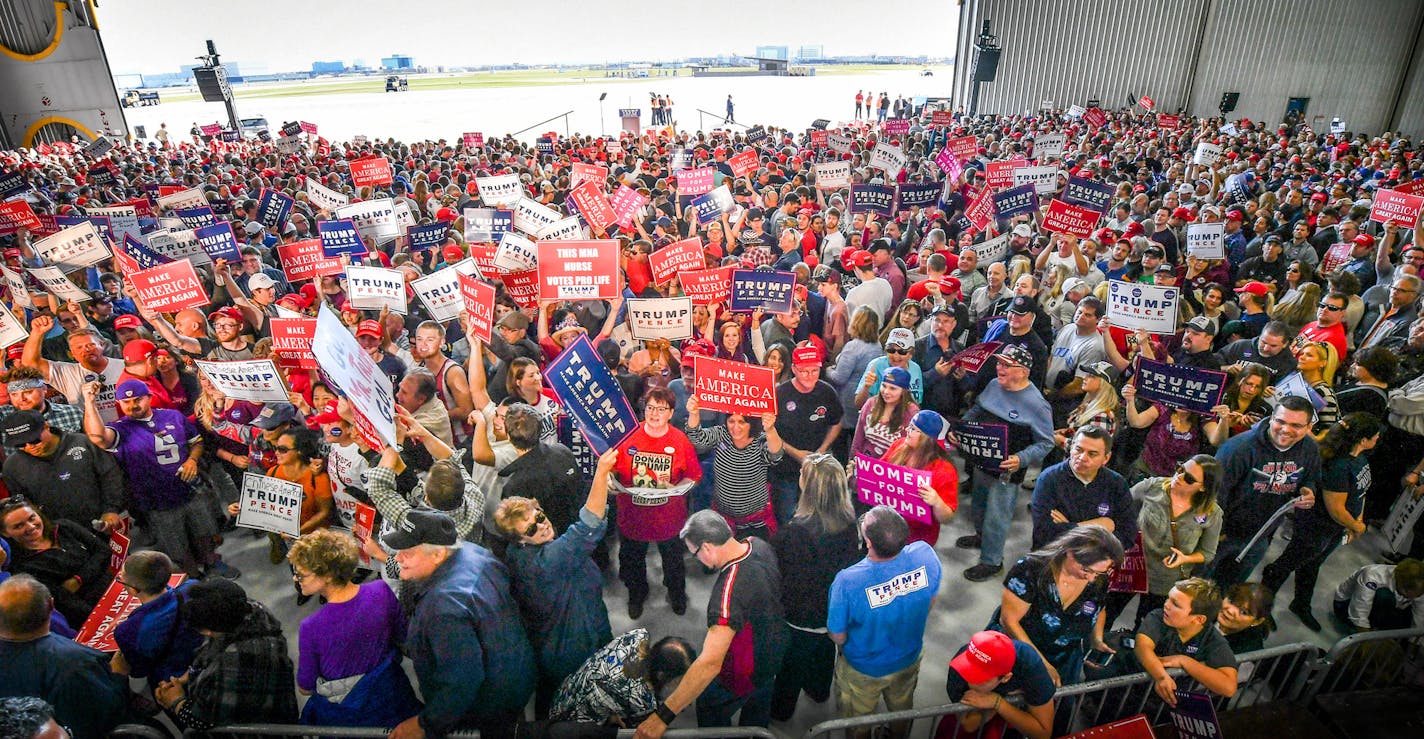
column 1371, row 660
column 747, row 732
column 1277, row 674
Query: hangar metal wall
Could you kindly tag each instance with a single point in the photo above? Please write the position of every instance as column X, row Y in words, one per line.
column 1356, row 59
column 1349, row 57
column 54, row 76
column 1070, row 51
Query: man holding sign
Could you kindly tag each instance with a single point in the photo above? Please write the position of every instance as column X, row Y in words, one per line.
column 1014, row 401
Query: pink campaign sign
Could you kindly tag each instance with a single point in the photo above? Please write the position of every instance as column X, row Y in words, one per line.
column 878, row 482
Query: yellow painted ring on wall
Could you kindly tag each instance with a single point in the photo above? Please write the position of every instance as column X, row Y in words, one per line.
column 53, row 44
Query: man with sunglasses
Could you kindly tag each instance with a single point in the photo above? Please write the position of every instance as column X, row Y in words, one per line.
column 544, row 471
column 62, row 471
column 1328, row 326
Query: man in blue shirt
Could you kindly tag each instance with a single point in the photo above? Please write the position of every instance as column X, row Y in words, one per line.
column 1081, row 490
column 877, row 614
column 153, row 642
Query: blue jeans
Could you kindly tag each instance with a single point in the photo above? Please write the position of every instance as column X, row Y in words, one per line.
column 717, row 705
column 785, row 494
column 991, row 508
column 1225, row 570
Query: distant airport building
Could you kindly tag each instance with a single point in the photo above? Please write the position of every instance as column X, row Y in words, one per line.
column 1359, row 60
column 809, row 52
column 772, row 52
column 397, row 61
column 328, row 67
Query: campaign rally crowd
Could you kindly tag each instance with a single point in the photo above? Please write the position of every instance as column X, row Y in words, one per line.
column 1172, row 338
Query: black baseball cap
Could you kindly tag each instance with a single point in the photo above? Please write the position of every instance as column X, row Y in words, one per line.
column 22, row 427
column 421, row 526
column 1021, row 304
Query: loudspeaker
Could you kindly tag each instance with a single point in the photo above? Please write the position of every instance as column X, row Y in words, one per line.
column 1229, row 100
column 986, row 64
column 212, row 83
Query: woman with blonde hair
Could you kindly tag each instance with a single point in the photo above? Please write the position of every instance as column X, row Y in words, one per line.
column 819, row 541
column 348, row 652
column 1298, row 307
column 1317, row 363
column 863, row 348
column 1099, row 406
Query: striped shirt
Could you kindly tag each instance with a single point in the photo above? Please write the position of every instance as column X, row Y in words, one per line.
column 738, row 475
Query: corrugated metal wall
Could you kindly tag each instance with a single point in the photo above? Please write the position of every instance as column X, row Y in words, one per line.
column 1409, row 116
column 26, row 26
column 1069, row 52
column 1351, row 58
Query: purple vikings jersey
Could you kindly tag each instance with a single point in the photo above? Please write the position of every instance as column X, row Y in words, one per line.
column 151, row 452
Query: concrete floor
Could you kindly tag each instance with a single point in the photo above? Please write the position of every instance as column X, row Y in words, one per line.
column 962, row 609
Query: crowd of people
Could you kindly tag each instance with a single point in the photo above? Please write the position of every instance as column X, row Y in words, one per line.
column 496, row 521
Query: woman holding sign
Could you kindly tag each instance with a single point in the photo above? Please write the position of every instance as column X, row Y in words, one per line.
column 1174, row 434
column 742, row 452
column 922, row 448
column 656, row 466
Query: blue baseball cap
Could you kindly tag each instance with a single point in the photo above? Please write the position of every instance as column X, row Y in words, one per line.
column 131, row 389
column 897, row 376
column 930, row 424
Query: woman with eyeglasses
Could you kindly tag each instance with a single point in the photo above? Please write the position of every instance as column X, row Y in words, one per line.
column 64, row 555
column 819, row 541
column 1180, row 523
column 348, row 657
column 296, row 449
column 1298, row 274
column 655, row 468
column 742, row 450
column 1054, row 599
column 908, row 316
column 558, row 586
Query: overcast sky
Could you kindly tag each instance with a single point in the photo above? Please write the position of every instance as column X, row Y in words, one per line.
column 151, row 36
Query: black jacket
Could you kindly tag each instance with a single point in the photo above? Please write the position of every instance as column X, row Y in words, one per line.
column 550, row 474
column 78, row 483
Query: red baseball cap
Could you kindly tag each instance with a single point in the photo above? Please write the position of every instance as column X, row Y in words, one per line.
column 138, row 350
column 805, row 354
column 1255, row 288
column 698, row 348
column 452, row 253
column 989, row 655
column 1364, row 240
column 949, row 286
column 228, row 312
column 369, row 327
column 1235, row 215
column 1184, row 214
column 128, row 320
column 859, row 258
column 328, row 414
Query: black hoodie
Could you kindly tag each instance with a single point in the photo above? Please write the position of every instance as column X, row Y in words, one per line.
column 1257, row 478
